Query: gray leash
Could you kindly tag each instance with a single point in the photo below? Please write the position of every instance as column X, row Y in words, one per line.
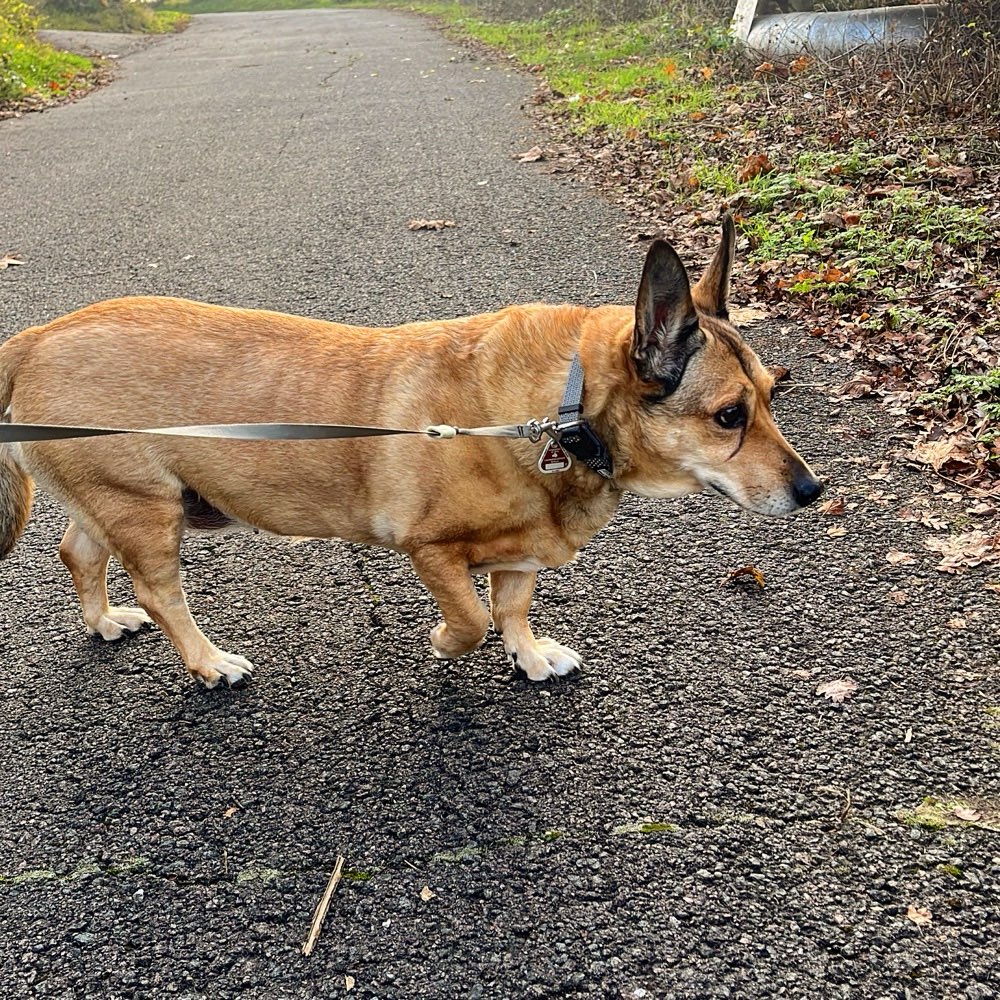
column 570, row 431
column 17, row 433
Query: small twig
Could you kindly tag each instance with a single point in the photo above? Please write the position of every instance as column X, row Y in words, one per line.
column 324, row 904
column 846, row 808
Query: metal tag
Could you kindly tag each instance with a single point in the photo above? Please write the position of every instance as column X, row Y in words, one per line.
column 554, row 458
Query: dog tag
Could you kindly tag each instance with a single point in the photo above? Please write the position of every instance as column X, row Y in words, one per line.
column 554, row 458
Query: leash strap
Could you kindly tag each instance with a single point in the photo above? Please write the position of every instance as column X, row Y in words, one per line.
column 14, row 433
column 571, row 431
column 17, row 433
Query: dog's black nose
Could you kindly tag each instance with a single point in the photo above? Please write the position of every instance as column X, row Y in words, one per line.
column 806, row 488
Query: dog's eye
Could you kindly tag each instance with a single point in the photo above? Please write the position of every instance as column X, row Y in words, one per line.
column 731, row 417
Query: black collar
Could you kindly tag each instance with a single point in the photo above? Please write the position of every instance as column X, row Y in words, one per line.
column 574, row 433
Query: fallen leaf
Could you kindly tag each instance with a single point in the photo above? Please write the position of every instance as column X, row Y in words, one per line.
column 834, row 507
column 837, row 691
column 9, row 260
column 836, row 531
column 231, row 811
column 920, row 915
column 933, row 453
column 896, row 558
column 753, row 166
column 348, row 983
column 965, row 551
column 426, row 894
column 745, row 316
column 799, row 65
column 967, row 814
column 746, row 572
column 706, row 72
column 958, row 623
column 531, row 155
column 430, row 224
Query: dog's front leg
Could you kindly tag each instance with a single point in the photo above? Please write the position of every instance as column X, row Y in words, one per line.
column 510, row 599
column 445, row 573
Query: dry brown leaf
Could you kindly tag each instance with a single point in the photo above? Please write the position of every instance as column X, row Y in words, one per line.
column 416, row 224
column 836, row 531
column 753, row 166
column 530, row 155
column 896, row 558
column 231, row 811
column 348, row 983
column 919, row 915
column 745, row 316
column 427, row 894
column 744, row 573
column 967, row 814
column 837, row 691
column 934, row 453
column 9, row 260
column 962, row 552
column 834, row 507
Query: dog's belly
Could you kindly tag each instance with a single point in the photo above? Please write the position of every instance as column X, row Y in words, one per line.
column 529, row 565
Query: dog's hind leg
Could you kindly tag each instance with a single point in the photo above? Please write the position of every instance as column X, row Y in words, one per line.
column 445, row 573
column 148, row 546
column 510, row 599
column 87, row 562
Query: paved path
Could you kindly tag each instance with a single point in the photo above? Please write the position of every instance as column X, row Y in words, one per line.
column 158, row 840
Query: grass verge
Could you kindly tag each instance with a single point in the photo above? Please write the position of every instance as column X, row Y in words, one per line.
column 33, row 74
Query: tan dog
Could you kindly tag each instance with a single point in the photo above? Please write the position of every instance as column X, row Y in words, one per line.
column 681, row 403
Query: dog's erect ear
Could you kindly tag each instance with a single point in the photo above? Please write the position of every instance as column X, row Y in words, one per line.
column 711, row 294
column 666, row 322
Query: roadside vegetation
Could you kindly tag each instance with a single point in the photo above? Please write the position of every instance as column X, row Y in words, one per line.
column 33, row 74
column 129, row 16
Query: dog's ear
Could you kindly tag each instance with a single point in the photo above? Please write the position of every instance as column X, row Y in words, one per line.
column 666, row 322
column 711, row 293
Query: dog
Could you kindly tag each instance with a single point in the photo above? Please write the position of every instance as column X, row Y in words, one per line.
column 673, row 402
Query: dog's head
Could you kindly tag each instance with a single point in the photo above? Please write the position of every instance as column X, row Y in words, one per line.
column 702, row 416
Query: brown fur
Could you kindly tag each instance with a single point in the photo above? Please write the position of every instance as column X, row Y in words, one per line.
column 469, row 504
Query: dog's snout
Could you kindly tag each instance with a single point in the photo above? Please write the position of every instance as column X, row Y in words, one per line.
column 806, row 488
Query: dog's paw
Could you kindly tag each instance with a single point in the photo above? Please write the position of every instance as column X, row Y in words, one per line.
column 117, row 621
column 544, row 659
column 446, row 646
column 226, row 668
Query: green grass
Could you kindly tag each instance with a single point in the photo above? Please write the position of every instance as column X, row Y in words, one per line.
column 125, row 16
column 29, row 67
column 251, row 6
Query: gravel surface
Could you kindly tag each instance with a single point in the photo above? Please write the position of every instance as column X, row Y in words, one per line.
column 686, row 818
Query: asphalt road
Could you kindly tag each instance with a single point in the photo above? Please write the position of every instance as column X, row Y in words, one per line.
column 685, row 818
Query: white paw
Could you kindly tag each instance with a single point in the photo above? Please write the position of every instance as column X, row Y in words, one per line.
column 117, row 621
column 545, row 659
column 228, row 667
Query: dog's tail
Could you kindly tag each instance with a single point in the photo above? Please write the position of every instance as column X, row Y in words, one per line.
column 15, row 483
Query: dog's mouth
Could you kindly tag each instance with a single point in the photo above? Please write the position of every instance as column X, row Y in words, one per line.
column 719, row 489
